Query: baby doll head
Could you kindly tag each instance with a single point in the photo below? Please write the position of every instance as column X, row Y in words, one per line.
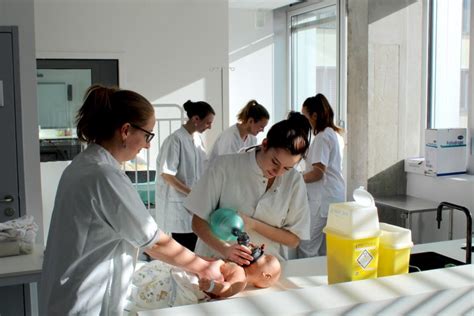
column 264, row 272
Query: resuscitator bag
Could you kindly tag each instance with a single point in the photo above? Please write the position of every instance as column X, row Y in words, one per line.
column 225, row 221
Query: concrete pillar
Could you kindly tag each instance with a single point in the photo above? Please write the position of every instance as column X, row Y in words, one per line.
column 357, row 94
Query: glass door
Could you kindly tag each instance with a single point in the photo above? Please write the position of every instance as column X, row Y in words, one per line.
column 314, row 54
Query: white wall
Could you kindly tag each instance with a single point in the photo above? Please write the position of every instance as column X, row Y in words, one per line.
column 395, row 90
column 21, row 14
column 251, row 50
column 51, row 173
column 167, row 50
column 454, row 189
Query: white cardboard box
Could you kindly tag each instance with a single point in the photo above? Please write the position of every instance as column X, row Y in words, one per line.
column 415, row 165
column 445, row 151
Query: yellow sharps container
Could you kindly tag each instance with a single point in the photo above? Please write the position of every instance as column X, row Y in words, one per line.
column 352, row 239
column 394, row 250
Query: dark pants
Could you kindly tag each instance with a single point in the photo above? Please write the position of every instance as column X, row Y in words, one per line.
column 188, row 240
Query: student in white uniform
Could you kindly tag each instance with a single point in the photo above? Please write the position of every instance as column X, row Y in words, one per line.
column 323, row 171
column 252, row 120
column 262, row 185
column 99, row 221
column 180, row 162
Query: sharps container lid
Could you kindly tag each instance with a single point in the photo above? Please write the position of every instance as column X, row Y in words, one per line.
column 354, row 220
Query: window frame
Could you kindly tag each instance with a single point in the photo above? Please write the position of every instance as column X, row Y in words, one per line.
column 429, row 79
column 341, row 64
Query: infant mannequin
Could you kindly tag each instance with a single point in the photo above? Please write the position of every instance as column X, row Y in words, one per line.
column 262, row 273
column 159, row 285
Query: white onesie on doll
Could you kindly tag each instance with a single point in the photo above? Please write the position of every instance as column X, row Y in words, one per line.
column 160, row 285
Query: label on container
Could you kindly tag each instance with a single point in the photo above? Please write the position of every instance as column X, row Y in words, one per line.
column 364, row 259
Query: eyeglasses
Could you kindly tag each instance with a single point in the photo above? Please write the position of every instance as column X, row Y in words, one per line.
column 149, row 135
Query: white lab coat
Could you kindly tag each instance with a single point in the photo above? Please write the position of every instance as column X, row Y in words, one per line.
column 230, row 142
column 236, row 181
column 182, row 155
column 327, row 148
column 99, row 222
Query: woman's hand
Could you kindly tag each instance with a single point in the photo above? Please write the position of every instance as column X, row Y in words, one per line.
column 238, row 254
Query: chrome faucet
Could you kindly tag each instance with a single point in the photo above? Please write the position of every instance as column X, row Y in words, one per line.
column 468, row 228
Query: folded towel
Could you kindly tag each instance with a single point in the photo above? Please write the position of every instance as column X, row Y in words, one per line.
column 9, row 248
column 23, row 230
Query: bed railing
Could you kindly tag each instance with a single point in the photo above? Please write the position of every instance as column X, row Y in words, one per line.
column 142, row 170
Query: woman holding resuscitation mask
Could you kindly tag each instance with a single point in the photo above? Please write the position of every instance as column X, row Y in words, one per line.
column 263, row 186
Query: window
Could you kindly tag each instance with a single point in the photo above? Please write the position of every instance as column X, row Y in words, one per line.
column 314, row 54
column 448, row 64
column 61, row 85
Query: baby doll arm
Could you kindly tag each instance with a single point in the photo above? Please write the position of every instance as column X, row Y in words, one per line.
column 234, row 282
column 221, row 289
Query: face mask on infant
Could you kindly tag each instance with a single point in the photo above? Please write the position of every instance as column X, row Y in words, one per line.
column 263, row 270
column 244, row 240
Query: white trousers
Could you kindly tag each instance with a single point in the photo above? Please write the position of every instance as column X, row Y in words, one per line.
column 316, row 246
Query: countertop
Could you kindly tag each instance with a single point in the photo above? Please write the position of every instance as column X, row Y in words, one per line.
column 303, row 288
column 409, row 204
column 21, row 269
column 312, row 271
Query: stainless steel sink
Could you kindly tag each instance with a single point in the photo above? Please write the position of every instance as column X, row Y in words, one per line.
column 431, row 260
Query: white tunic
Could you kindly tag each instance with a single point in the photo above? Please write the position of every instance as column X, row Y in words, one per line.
column 99, row 222
column 182, row 155
column 236, row 181
column 327, row 148
column 230, row 142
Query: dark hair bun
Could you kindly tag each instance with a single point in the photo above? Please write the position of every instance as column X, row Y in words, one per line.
column 199, row 108
column 187, row 105
column 296, row 117
column 298, row 120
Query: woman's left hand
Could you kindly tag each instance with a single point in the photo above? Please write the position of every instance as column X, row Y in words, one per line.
column 239, row 254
